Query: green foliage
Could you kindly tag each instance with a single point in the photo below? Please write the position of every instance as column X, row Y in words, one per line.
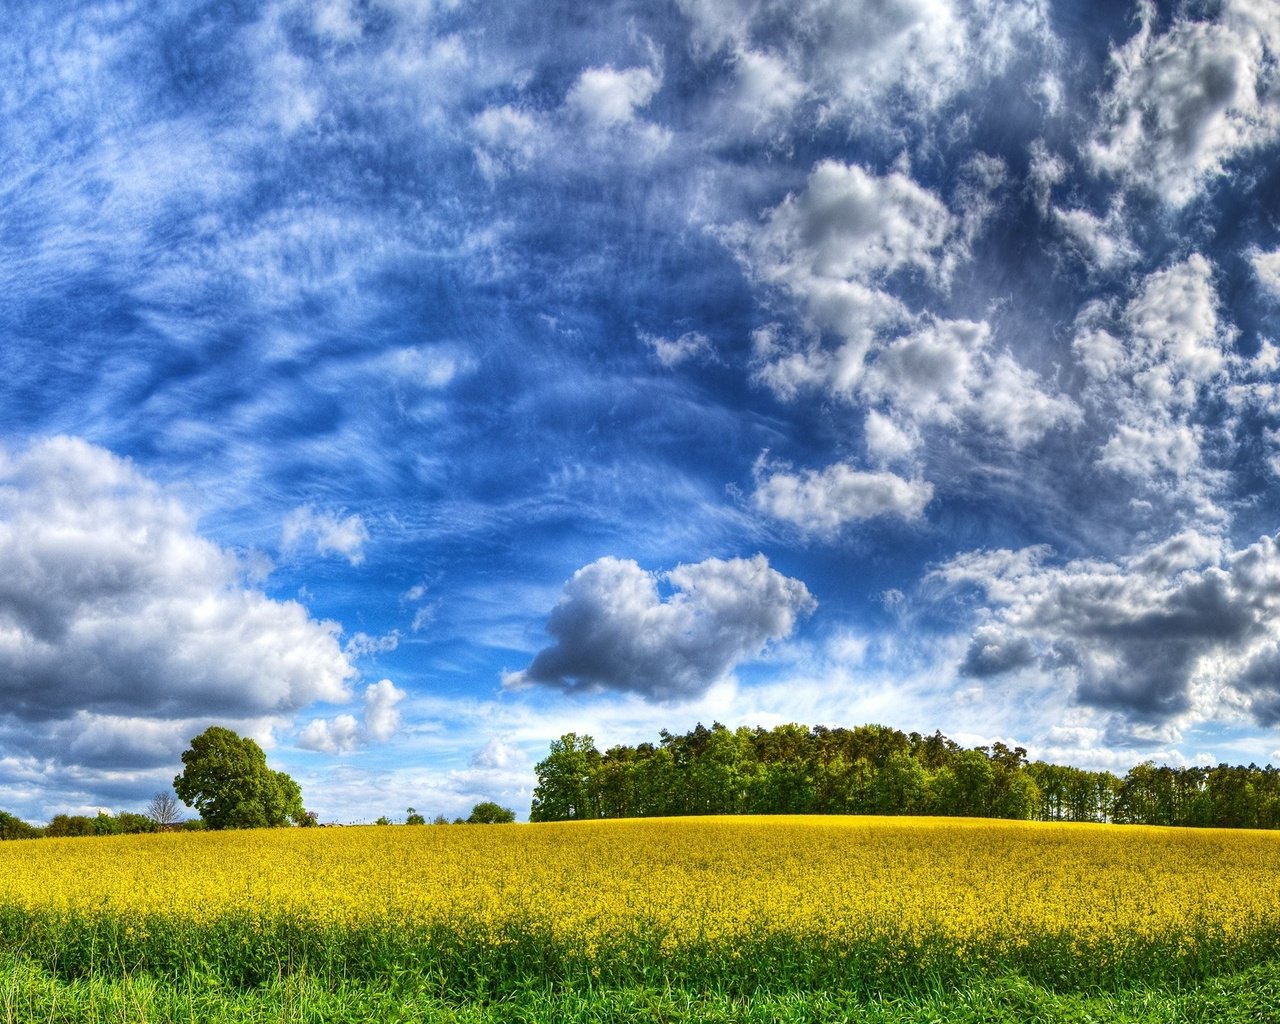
column 873, row 769
column 65, row 825
column 414, row 818
column 383, row 820
column 64, row 967
column 226, row 779
column 564, row 790
column 13, row 827
column 488, row 813
column 30, row 992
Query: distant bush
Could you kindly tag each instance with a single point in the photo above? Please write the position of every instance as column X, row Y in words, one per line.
column 13, row 827
column 488, row 813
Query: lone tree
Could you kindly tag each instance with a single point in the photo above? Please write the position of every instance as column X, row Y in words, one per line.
column 164, row 809
column 488, row 813
column 226, row 779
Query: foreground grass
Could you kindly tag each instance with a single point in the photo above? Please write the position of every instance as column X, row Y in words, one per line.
column 30, row 994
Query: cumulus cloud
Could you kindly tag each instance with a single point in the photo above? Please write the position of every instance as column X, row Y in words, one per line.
column 343, row 734
column 606, row 97
column 1184, row 102
column 1267, row 266
column 838, row 247
column 858, row 58
column 1181, row 631
column 833, row 245
column 614, row 630
column 117, row 615
column 822, row 502
column 1155, row 367
column 945, row 370
column 327, row 533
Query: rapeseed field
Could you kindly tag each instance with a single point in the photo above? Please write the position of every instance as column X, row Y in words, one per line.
column 743, row 904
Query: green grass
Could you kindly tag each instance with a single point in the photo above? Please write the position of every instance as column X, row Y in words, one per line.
column 103, row 970
column 29, row 993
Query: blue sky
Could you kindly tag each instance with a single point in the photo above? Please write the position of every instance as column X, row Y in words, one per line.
column 407, row 382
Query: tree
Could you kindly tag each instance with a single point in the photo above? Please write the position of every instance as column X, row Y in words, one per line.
column 164, row 809
column 414, row 818
column 226, row 779
column 62, row 826
column 563, row 789
column 13, row 827
column 488, row 813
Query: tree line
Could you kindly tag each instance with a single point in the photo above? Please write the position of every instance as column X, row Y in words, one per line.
column 225, row 777
column 875, row 769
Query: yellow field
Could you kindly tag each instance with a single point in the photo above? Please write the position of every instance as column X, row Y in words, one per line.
column 688, row 881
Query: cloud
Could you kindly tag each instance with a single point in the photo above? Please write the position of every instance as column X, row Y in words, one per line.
column 671, row 353
column 1102, row 242
column 823, row 502
column 381, row 718
column 508, row 138
column 117, row 615
column 342, row 734
column 835, row 248
column 328, row 533
column 1178, row 632
column 614, row 631
column 605, row 97
column 1156, row 368
column 842, row 248
column 337, row 735
column 944, row 371
column 833, row 245
column 1185, row 102
column 1267, row 266
column 861, row 60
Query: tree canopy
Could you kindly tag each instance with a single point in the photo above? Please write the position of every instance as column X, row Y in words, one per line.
column 226, row 779
column 874, row 769
column 489, row 813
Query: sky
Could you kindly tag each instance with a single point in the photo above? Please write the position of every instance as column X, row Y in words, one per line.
column 406, row 383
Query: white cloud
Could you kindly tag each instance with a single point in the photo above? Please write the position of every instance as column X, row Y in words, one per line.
column 362, row 644
column 824, row 502
column 888, row 440
column 1152, row 368
column 614, row 631
column 837, row 248
column 672, row 352
column 944, row 371
column 1184, row 102
column 337, row 735
column 1178, row 632
column 508, row 138
column 328, row 533
column 767, row 89
column 1102, row 242
column 606, row 98
column 343, row 734
column 381, row 717
column 1175, row 329
column 1267, row 266
column 832, row 247
column 859, row 58
column 113, row 606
